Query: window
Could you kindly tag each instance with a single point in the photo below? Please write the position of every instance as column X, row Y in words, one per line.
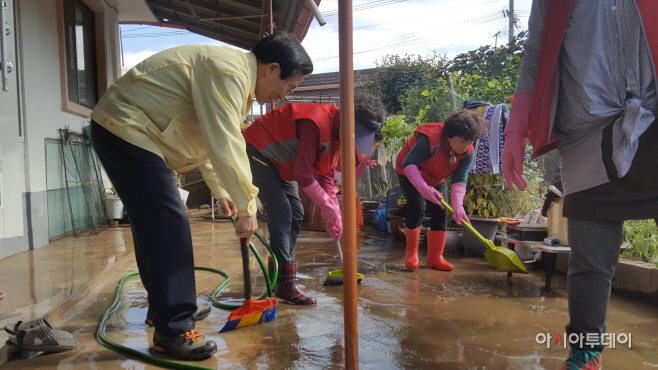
column 82, row 54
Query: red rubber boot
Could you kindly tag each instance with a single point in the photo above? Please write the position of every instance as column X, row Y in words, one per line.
column 411, row 256
column 436, row 243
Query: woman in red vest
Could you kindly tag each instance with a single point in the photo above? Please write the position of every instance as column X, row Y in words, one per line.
column 435, row 152
column 286, row 147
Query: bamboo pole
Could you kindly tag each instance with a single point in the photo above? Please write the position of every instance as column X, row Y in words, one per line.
column 350, row 298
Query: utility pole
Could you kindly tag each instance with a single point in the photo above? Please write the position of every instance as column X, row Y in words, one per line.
column 496, row 36
column 512, row 20
column 270, row 29
column 451, row 92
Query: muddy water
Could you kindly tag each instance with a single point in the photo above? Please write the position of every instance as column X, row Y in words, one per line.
column 466, row 319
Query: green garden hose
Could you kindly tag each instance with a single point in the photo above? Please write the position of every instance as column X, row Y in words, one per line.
column 104, row 340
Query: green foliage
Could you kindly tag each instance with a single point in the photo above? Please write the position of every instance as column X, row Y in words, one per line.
column 431, row 104
column 487, row 61
column 396, row 132
column 493, row 90
column 487, row 195
column 643, row 237
column 487, row 73
column 396, row 74
column 417, row 87
column 518, row 203
column 477, row 200
column 382, row 187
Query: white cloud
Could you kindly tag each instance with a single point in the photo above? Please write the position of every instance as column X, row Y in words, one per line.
column 411, row 27
column 401, row 27
column 131, row 58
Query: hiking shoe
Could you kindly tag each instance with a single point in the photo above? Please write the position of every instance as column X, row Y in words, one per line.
column 583, row 360
column 202, row 311
column 189, row 346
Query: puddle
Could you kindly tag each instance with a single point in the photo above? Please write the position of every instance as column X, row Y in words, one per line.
column 469, row 318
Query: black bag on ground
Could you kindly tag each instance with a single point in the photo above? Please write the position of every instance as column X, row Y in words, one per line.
column 396, row 203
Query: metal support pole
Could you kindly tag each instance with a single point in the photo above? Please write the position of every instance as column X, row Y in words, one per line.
column 451, row 92
column 512, row 20
column 270, row 30
column 121, row 44
column 346, row 68
column 368, row 183
column 3, row 47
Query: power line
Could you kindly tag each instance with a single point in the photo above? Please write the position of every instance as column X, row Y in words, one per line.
column 366, row 6
column 378, row 48
column 140, row 28
column 413, row 38
column 406, row 19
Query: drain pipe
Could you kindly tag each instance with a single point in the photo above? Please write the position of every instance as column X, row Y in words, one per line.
column 346, row 79
column 316, row 12
column 4, row 63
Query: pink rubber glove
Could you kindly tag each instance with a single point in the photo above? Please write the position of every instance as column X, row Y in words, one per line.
column 330, row 209
column 428, row 192
column 457, row 193
column 516, row 134
column 362, row 168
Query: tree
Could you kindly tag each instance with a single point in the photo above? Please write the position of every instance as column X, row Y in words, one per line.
column 396, row 74
column 487, row 61
column 486, row 73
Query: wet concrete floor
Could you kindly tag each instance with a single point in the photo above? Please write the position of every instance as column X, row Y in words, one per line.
column 36, row 281
column 466, row 319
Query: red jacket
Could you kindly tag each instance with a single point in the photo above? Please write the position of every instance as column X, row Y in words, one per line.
column 437, row 167
column 541, row 136
column 275, row 137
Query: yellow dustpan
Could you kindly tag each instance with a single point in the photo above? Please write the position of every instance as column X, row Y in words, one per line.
column 501, row 258
column 336, row 277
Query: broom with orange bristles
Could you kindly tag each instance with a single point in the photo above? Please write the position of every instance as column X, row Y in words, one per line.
column 252, row 311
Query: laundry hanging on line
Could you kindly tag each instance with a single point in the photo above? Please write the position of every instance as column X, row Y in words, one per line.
column 488, row 149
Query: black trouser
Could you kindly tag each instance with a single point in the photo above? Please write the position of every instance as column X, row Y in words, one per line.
column 280, row 199
column 416, row 204
column 161, row 229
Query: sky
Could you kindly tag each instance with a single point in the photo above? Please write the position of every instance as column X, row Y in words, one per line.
column 381, row 27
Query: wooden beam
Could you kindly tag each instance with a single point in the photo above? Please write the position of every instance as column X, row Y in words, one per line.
column 318, row 87
column 230, row 33
column 238, row 24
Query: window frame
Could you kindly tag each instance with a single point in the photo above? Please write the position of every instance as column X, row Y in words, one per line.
column 101, row 62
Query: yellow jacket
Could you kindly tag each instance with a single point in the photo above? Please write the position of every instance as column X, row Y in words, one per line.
column 186, row 105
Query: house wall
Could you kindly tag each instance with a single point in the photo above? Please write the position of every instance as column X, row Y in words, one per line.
column 41, row 116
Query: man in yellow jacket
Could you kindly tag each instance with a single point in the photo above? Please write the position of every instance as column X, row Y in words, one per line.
column 180, row 109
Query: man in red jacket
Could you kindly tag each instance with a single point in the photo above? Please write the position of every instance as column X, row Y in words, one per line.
column 588, row 86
